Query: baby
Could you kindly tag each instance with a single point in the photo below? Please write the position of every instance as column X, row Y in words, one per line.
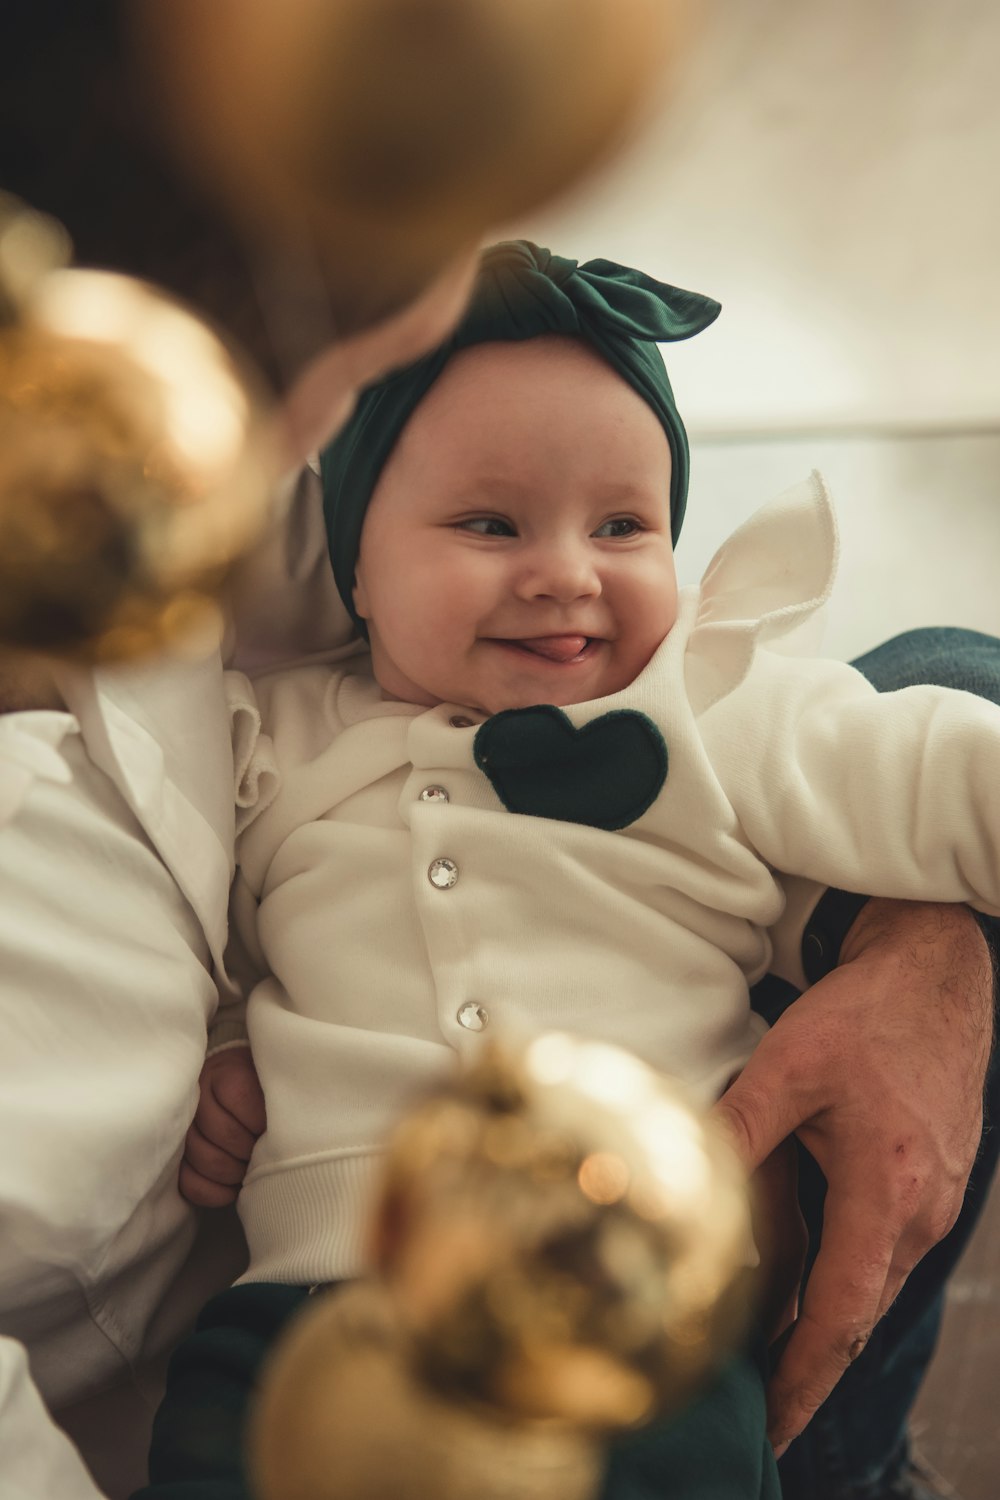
column 540, row 781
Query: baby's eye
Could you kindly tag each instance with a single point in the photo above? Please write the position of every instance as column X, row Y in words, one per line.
column 619, row 526
column 487, row 526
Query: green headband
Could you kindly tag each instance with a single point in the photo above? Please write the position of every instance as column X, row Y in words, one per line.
column 521, row 292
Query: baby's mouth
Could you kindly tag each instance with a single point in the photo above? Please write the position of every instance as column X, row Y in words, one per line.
column 558, row 648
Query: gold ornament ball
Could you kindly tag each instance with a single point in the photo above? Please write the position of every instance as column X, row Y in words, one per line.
column 342, row 1415
column 134, row 461
column 391, row 134
column 561, row 1249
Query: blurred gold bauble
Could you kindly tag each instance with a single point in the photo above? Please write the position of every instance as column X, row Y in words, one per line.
column 133, row 462
column 561, row 1248
column 394, row 132
column 343, row 1416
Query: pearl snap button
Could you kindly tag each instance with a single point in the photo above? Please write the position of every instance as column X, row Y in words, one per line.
column 473, row 1017
column 459, row 721
column 443, row 873
column 434, row 794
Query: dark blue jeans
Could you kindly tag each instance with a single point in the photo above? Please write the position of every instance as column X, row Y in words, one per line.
column 858, row 1438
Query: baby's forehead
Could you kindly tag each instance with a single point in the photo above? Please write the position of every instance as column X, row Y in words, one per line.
column 518, row 410
column 552, row 356
column 495, row 377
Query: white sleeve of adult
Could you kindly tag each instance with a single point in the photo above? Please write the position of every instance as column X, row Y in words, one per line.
column 893, row 794
column 37, row 1461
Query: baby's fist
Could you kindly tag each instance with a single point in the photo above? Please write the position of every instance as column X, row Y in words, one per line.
column 229, row 1118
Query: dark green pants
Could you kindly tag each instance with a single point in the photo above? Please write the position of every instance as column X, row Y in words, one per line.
column 716, row 1451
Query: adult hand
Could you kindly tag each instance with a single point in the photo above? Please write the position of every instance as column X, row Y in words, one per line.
column 229, row 1118
column 879, row 1069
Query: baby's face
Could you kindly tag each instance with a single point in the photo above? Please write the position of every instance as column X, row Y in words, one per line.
column 517, row 549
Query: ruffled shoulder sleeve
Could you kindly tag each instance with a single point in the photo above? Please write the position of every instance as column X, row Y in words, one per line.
column 256, row 779
column 764, row 582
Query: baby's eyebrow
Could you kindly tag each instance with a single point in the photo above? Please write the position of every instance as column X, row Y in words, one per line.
column 499, row 483
column 612, row 490
column 632, row 489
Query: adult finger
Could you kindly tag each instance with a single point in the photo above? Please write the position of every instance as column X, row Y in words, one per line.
column 780, row 1233
column 839, row 1310
column 763, row 1106
column 905, row 1257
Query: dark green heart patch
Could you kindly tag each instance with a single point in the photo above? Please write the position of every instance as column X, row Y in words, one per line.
column 605, row 774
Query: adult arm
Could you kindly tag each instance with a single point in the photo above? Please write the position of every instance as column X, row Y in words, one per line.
column 879, row 1069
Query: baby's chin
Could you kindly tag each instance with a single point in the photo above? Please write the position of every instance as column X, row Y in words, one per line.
column 557, row 696
column 487, row 698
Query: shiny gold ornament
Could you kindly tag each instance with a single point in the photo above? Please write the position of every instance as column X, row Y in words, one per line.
column 133, row 462
column 344, row 1416
column 561, row 1248
column 390, row 134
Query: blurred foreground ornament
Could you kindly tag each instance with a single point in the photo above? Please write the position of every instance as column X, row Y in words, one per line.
column 392, row 134
column 133, row 459
column 561, row 1248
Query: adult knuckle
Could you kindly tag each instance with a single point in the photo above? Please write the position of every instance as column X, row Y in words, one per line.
column 849, row 1342
column 857, row 1345
column 906, row 1258
column 834, row 1349
column 908, row 1181
column 745, row 1118
column 940, row 1219
column 925, row 1204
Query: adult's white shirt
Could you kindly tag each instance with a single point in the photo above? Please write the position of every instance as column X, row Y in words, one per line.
column 114, row 870
column 116, row 839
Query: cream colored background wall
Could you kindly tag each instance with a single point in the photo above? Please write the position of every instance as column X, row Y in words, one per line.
column 831, row 172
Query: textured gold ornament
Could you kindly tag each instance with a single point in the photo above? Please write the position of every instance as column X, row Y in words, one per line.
column 133, row 461
column 344, row 1416
column 561, row 1250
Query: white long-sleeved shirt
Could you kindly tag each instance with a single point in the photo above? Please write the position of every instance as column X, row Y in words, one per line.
column 37, row 1461
column 116, row 849
column 105, row 996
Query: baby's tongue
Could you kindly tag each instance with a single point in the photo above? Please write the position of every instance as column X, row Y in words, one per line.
column 555, row 647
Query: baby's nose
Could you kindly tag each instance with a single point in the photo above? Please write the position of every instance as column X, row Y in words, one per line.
column 562, row 573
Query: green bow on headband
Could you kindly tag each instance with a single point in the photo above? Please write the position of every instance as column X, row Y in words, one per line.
column 521, row 292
